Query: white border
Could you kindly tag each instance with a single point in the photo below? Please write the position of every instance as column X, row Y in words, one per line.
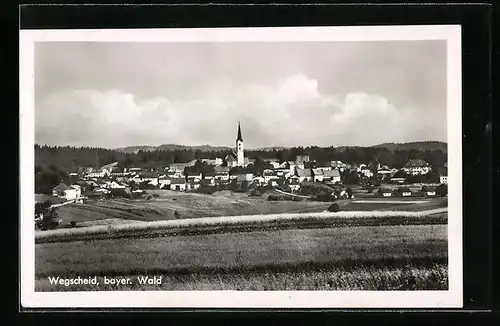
column 245, row 299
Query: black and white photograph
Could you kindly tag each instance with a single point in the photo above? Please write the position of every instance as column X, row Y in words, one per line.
column 241, row 167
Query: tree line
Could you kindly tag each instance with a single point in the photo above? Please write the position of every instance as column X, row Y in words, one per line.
column 69, row 159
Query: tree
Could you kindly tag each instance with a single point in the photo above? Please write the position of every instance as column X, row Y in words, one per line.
column 334, row 207
column 244, row 186
column 42, row 208
column 442, row 190
column 349, row 192
column 176, row 215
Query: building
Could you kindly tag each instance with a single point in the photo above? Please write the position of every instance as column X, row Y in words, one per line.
column 237, row 157
column 301, row 159
column 178, row 184
column 67, row 192
column 164, row 181
column 443, row 179
column 404, row 192
column 317, row 175
column 416, row 167
column 384, row 192
column 331, row 175
column 303, row 174
column 244, row 177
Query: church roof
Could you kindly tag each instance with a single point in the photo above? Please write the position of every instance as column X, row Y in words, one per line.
column 239, row 138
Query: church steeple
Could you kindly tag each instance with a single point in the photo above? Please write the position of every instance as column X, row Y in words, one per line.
column 240, row 155
column 239, row 133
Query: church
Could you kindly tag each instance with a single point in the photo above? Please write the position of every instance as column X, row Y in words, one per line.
column 237, row 158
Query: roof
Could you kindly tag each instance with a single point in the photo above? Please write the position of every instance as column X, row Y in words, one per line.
column 219, row 169
column 239, row 138
column 231, row 157
column 148, row 175
column 416, row 163
column 178, row 181
column 110, row 165
column 61, row 187
column 331, row 173
column 317, row 171
column 304, row 172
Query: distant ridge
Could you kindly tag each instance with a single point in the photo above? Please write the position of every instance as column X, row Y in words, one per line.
column 421, row 145
column 171, row 147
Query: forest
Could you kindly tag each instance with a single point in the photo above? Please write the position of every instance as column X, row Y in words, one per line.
column 69, row 159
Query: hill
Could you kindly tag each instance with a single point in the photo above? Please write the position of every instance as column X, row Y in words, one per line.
column 421, row 146
column 171, row 147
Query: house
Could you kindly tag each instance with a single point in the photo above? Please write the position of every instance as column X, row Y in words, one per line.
column 244, row 177
column 67, row 192
column 222, row 176
column 331, row 175
column 300, row 159
column 178, row 184
column 293, row 183
column 164, row 181
column 416, row 167
column 399, row 180
column 304, row 174
column 317, row 175
column 194, row 176
column 207, row 182
column 192, row 185
column 217, row 161
column 384, row 192
column 269, row 175
column 259, row 180
column 404, row 192
column 310, row 164
column 115, row 185
column 338, row 165
column 384, row 170
column 428, row 191
column 149, row 177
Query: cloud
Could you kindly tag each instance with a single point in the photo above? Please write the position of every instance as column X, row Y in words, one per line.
column 289, row 112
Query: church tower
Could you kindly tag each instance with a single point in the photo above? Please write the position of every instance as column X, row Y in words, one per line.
column 240, row 156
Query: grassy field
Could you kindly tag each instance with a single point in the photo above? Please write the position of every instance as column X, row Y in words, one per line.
column 192, row 205
column 364, row 277
column 417, row 250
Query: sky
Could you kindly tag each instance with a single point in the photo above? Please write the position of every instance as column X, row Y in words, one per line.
column 111, row 94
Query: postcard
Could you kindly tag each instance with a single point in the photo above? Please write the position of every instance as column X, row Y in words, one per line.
column 297, row 167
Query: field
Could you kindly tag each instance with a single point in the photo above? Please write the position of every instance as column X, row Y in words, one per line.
column 223, row 203
column 354, row 252
column 371, row 244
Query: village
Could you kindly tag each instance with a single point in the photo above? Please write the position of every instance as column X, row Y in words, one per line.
column 228, row 173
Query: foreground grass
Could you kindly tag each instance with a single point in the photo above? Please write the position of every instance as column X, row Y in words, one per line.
column 280, row 250
column 364, row 277
column 248, row 223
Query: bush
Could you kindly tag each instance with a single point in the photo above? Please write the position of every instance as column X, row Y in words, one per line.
column 256, row 192
column 334, row 207
column 208, row 190
column 323, row 198
column 156, row 195
column 72, row 224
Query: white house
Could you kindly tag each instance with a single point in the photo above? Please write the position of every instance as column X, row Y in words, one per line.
column 317, row 175
column 332, row 175
column 178, row 184
column 244, row 177
column 67, row 192
column 443, row 179
column 304, row 174
column 417, row 167
column 164, row 181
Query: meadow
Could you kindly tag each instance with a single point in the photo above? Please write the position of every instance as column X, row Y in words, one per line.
column 392, row 253
column 222, row 203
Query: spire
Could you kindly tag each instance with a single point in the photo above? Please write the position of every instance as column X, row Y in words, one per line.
column 239, row 133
